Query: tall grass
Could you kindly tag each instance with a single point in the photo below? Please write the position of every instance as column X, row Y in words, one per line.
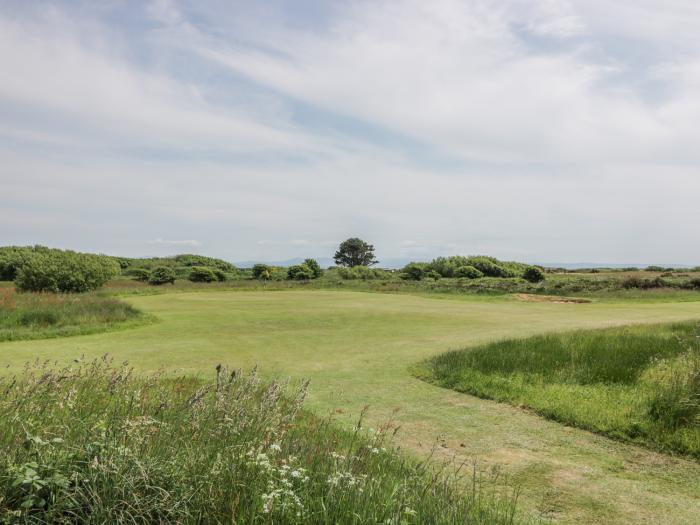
column 638, row 383
column 38, row 315
column 94, row 444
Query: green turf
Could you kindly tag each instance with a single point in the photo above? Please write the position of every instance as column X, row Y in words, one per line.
column 357, row 347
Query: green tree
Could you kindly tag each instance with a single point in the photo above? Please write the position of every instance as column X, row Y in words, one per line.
column 414, row 271
column 355, row 252
column 300, row 272
column 262, row 272
column 315, row 268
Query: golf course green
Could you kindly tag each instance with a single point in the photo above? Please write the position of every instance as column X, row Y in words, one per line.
column 357, row 348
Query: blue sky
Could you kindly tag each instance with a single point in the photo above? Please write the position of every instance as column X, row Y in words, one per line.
column 542, row 130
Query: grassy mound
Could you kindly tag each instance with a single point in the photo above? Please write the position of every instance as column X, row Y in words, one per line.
column 42, row 315
column 92, row 444
column 638, row 383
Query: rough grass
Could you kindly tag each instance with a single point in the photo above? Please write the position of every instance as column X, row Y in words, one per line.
column 93, row 444
column 637, row 383
column 42, row 315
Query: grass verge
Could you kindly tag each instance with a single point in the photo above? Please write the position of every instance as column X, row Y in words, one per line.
column 639, row 383
column 45, row 315
column 93, row 444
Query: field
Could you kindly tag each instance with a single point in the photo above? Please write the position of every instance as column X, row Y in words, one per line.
column 357, row 348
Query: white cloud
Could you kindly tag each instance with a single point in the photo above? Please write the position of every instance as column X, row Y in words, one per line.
column 185, row 242
column 93, row 92
column 543, row 130
column 455, row 75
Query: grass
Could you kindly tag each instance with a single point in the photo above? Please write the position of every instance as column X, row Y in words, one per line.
column 92, row 443
column 356, row 349
column 44, row 315
column 637, row 383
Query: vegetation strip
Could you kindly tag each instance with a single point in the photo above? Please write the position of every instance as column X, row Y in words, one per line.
column 45, row 315
column 93, row 444
column 639, row 383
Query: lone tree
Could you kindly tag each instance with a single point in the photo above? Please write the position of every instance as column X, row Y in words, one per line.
column 355, row 252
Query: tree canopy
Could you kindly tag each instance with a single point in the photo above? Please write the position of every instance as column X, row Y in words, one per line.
column 355, row 252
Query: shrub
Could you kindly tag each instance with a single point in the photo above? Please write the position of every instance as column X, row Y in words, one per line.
column 65, row 271
column 140, row 274
column 202, row 274
column 469, row 272
column 414, row 271
column 123, row 262
column 162, row 275
column 262, row 272
column 490, row 266
column 644, row 284
column 315, row 268
column 362, row 273
column 300, row 272
column 693, row 284
column 533, row 274
column 11, row 260
column 220, row 275
column 432, row 274
column 655, row 268
column 446, row 266
column 188, row 259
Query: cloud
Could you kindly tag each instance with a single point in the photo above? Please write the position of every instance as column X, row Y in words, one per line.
column 186, row 242
column 543, row 130
column 78, row 86
column 457, row 75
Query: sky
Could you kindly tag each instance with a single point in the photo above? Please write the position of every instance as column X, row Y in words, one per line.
column 533, row 130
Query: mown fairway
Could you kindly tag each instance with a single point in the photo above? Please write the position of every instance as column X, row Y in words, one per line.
column 356, row 348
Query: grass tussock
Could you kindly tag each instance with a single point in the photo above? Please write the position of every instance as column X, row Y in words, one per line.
column 638, row 383
column 94, row 444
column 40, row 315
